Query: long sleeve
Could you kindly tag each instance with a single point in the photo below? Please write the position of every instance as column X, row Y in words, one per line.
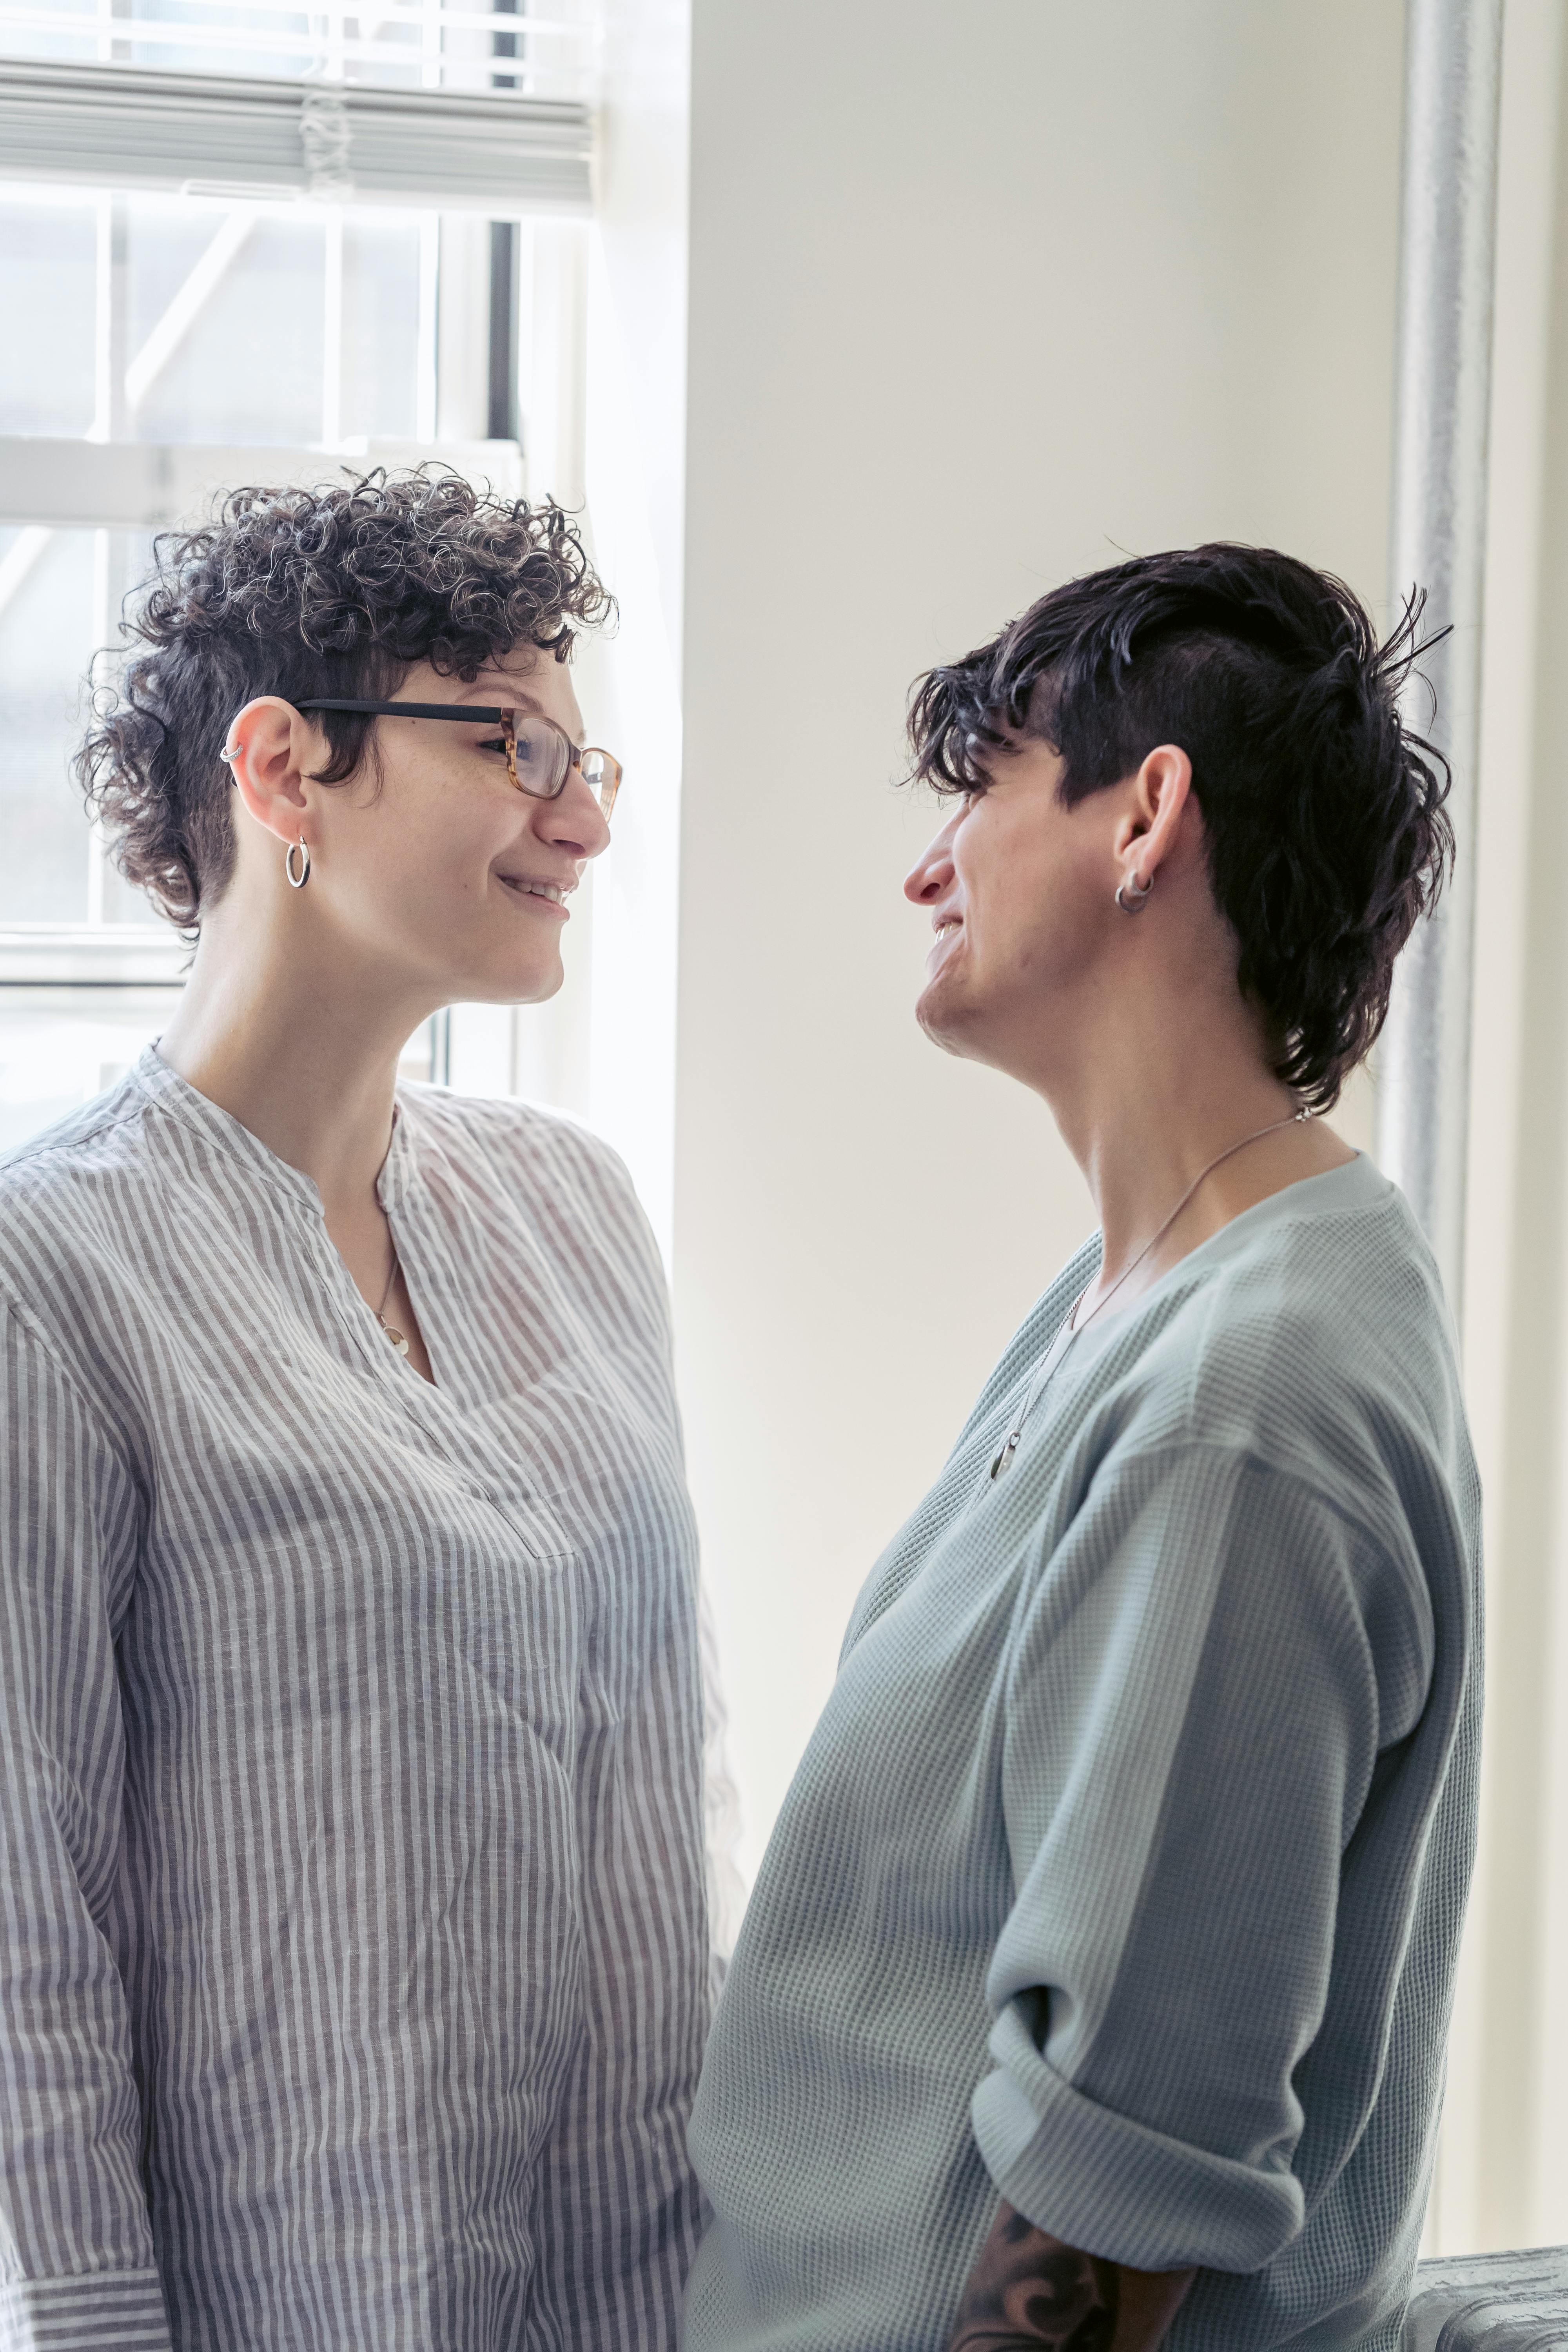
column 1235, row 1655
column 77, row 2264
column 725, row 1882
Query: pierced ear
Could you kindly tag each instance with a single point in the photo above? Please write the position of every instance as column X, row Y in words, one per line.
column 268, row 747
column 1164, row 784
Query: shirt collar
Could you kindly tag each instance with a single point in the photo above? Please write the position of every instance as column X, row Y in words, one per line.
column 1355, row 1183
column 400, row 1169
column 224, row 1133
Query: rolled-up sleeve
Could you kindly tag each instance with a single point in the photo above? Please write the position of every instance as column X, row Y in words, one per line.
column 1205, row 1693
column 78, row 2266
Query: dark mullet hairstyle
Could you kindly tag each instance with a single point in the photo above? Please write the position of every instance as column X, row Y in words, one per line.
column 301, row 593
column 1327, row 834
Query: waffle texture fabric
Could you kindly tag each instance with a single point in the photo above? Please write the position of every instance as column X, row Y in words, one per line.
column 1123, row 1874
column 352, row 1934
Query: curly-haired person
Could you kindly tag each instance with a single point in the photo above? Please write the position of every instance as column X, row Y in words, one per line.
column 1093, row 1992
column 354, row 1935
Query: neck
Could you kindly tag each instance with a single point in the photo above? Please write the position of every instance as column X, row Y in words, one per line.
column 1146, row 1095
column 1141, row 1159
column 298, row 1041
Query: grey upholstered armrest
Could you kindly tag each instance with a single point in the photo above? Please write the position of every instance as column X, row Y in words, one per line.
column 1491, row 2302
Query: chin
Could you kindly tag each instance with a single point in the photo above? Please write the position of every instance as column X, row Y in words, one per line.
column 539, row 987
column 505, row 983
column 942, row 1017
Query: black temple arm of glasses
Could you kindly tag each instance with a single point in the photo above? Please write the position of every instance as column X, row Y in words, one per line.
column 486, row 713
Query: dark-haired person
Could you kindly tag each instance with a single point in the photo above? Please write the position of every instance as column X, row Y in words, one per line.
column 1093, row 1992
column 354, row 1966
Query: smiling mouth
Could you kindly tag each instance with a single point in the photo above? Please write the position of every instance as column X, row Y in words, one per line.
column 521, row 887
column 944, row 931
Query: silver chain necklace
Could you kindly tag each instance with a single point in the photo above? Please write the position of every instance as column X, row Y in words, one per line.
column 1072, row 1327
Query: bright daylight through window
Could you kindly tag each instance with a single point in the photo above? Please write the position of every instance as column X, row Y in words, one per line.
column 244, row 243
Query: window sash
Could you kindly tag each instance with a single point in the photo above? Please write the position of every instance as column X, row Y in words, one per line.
column 110, row 957
column 149, row 485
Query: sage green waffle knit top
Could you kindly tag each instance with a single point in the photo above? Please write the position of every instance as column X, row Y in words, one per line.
column 1123, row 1874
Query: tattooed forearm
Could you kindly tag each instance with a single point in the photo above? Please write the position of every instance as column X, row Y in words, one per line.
column 1029, row 2290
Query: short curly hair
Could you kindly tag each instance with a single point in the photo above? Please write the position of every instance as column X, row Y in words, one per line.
column 1327, row 834
column 304, row 593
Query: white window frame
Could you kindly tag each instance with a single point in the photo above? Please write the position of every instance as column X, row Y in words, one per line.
column 465, row 161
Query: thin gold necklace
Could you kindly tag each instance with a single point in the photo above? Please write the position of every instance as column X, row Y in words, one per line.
column 1072, row 1327
column 396, row 1337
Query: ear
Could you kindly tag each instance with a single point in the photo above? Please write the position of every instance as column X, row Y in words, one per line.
column 272, row 749
column 1147, row 831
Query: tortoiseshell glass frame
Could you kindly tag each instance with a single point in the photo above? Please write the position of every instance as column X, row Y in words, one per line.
column 506, row 717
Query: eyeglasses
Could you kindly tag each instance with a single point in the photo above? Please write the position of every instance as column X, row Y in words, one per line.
column 540, row 755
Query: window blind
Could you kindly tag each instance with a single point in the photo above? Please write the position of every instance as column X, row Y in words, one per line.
column 127, row 126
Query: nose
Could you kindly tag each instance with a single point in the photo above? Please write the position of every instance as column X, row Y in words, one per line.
column 932, row 870
column 573, row 821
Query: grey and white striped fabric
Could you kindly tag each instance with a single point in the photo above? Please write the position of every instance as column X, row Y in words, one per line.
column 1123, row 1874
column 354, row 1962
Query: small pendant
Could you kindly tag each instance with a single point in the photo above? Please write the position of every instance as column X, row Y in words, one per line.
column 1004, row 1459
column 396, row 1337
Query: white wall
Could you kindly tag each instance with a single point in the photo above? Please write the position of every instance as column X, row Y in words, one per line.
column 978, row 299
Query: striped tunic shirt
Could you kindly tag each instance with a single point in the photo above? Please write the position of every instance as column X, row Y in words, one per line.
column 354, row 1955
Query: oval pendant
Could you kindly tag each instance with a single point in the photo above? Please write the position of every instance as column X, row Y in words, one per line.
column 396, row 1337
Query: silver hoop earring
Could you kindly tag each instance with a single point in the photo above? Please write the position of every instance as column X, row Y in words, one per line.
column 1136, row 899
column 297, row 881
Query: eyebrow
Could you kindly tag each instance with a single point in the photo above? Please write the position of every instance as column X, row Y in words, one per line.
column 520, row 701
column 511, row 701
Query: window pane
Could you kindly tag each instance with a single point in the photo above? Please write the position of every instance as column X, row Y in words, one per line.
column 58, row 1050
column 48, row 252
column 46, row 644
column 381, row 328
column 247, row 365
column 60, row 591
column 62, row 1047
column 402, row 48
column 191, row 321
column 225, row 311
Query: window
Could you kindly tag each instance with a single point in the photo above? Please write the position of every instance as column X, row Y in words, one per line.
column 404, row 189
